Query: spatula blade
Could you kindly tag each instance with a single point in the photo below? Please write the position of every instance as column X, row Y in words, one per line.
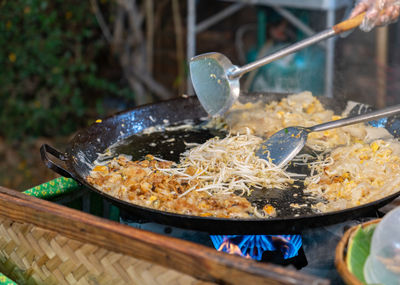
column 283, row 146
column 216, row 92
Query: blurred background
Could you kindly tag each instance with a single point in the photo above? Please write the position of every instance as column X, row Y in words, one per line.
column 67, row 63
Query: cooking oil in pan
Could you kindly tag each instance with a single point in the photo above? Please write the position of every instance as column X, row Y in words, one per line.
column 168, row 145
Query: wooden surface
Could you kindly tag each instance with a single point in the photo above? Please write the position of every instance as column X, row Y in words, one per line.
column 193, row 259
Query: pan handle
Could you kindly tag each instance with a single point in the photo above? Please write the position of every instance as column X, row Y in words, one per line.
column 44, row 150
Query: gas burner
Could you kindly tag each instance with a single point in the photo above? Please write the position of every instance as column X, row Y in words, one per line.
column 311, row 252
column 256, row 246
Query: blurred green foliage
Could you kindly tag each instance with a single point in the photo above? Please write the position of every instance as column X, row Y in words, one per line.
column 51, row 57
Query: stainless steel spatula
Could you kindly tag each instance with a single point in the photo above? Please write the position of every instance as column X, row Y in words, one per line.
column 216, row 80
column 283, row 146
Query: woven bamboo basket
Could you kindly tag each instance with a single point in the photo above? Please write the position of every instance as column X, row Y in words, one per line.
column 340, row 254
column 33, row 255
column 45, row 243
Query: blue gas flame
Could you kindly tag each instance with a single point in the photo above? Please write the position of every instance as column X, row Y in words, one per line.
column 255, row 245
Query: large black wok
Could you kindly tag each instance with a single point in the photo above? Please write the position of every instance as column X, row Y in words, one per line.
column 83, row 150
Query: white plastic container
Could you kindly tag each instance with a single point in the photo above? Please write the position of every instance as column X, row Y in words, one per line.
column 383, row 264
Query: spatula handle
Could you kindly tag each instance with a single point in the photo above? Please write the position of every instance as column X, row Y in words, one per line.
column 390, row 111
column 348, row 24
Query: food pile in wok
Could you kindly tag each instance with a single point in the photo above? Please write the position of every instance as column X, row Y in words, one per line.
column 348, row 166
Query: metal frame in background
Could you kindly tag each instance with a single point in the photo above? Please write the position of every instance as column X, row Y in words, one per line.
column 328, row 6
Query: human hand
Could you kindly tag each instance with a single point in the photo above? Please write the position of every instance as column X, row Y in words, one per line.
column 378, row 12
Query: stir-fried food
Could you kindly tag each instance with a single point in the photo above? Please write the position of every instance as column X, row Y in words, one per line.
column 142, row 183
column 207, row 181
column 354, row 175
column 301, row 109
column 350, row 167
column 229, row 165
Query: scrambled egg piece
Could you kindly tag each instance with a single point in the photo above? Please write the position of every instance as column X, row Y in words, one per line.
column 301, row 109
column 357, row 174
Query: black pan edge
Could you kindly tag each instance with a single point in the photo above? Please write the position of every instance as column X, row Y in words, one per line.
column 99, row 136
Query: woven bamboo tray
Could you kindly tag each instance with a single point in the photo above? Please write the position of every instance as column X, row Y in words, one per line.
column 341, row 250
column 45, row 243
column 44, row 256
